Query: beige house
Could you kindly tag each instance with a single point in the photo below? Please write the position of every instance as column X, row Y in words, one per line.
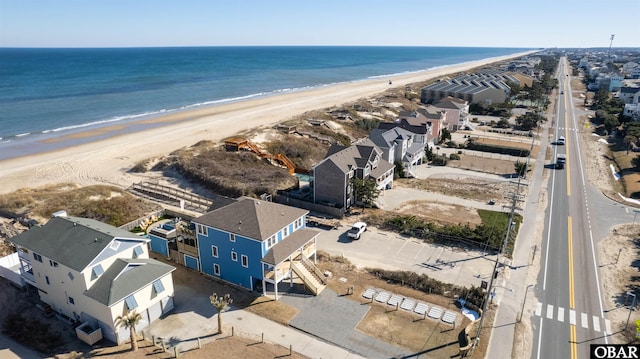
column 89, row 272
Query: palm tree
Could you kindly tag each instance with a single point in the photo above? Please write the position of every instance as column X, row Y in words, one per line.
column 221, row 304
column 129, row 321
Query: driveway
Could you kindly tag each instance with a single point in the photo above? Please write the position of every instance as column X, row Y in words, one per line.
column 388, row 250
column 194, row 317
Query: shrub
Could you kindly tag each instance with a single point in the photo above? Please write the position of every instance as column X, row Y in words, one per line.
column 451, row 144
column 454, row 156
column 513, row 151
column 440, row 161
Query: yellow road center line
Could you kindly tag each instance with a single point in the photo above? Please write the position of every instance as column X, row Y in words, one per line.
column 573, row 342
column 570, row 250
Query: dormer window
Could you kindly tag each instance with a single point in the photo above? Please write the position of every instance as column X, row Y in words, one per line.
column 137, row 251
column 114, row 245
column 130, row 303
column 96, row 271
column 158, row 287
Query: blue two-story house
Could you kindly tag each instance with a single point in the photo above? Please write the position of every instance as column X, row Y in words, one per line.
column 255, row 244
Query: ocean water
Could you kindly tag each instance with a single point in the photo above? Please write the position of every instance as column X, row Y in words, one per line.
column 46, row 93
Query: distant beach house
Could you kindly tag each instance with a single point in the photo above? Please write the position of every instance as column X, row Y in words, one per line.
column 426, row 123
column 333, row 175
column 258, row 244
column 456, row 112
column 89, row 272
column 399, row 145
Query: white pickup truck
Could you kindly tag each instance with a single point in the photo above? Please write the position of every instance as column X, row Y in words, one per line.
column 356, row 230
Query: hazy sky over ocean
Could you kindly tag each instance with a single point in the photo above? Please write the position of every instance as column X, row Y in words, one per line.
column 495, row 23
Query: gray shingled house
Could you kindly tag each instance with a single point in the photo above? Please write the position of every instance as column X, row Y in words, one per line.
column 333, row 175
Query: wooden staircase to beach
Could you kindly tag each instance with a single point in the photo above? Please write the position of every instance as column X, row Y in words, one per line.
column 310, row 275
column 239, row 144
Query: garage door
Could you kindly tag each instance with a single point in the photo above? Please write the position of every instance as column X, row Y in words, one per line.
column 191, row 262
column 155, row 311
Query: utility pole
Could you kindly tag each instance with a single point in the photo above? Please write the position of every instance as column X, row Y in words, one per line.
column 514, row 204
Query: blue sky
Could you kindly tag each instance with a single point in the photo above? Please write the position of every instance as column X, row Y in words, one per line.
column 494, row 23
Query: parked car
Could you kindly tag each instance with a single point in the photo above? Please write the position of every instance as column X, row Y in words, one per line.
column 561, row 161
column 356, row 230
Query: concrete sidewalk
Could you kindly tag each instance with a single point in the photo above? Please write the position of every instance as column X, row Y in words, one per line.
column 502, row 336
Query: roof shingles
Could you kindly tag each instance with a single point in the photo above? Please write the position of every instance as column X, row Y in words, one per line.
column 71, row 241
column 125, row 277
column 252, row 218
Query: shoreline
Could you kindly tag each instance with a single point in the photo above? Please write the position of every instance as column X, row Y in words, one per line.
column 103, row 155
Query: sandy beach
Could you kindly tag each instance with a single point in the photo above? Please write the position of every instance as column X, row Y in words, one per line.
column 106, row 161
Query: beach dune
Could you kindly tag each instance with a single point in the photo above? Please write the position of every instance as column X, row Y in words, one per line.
column 107, row 161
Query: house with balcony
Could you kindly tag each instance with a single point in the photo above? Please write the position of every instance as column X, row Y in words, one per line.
column 257, row 245
column 426, row 123
column 456, row 112
column 89, row 273
column 333, row 176
column 399, row 145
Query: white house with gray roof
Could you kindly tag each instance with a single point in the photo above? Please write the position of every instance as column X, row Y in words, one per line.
column 91, row 272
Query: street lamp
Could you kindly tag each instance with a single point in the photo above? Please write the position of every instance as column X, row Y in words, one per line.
column 633, row 304
column 524, row 301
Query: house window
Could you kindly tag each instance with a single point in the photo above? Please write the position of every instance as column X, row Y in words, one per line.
column 214, row 251
column 232, row 237
column 114, row 245
column 216, row 269
column 72, row 301
column 137, row 251
column 298, row 223
column 46, row 278
column 234, row 256
column 203, row 230
column 245, row 261
column 285, row 231
column 70, row 275
column 130, row 303
column 158, row 287
column 53, row 263
column 37, row 257
column 271, row 241
column 96, row 271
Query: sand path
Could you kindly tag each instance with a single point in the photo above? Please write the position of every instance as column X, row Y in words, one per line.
column 106, row 161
